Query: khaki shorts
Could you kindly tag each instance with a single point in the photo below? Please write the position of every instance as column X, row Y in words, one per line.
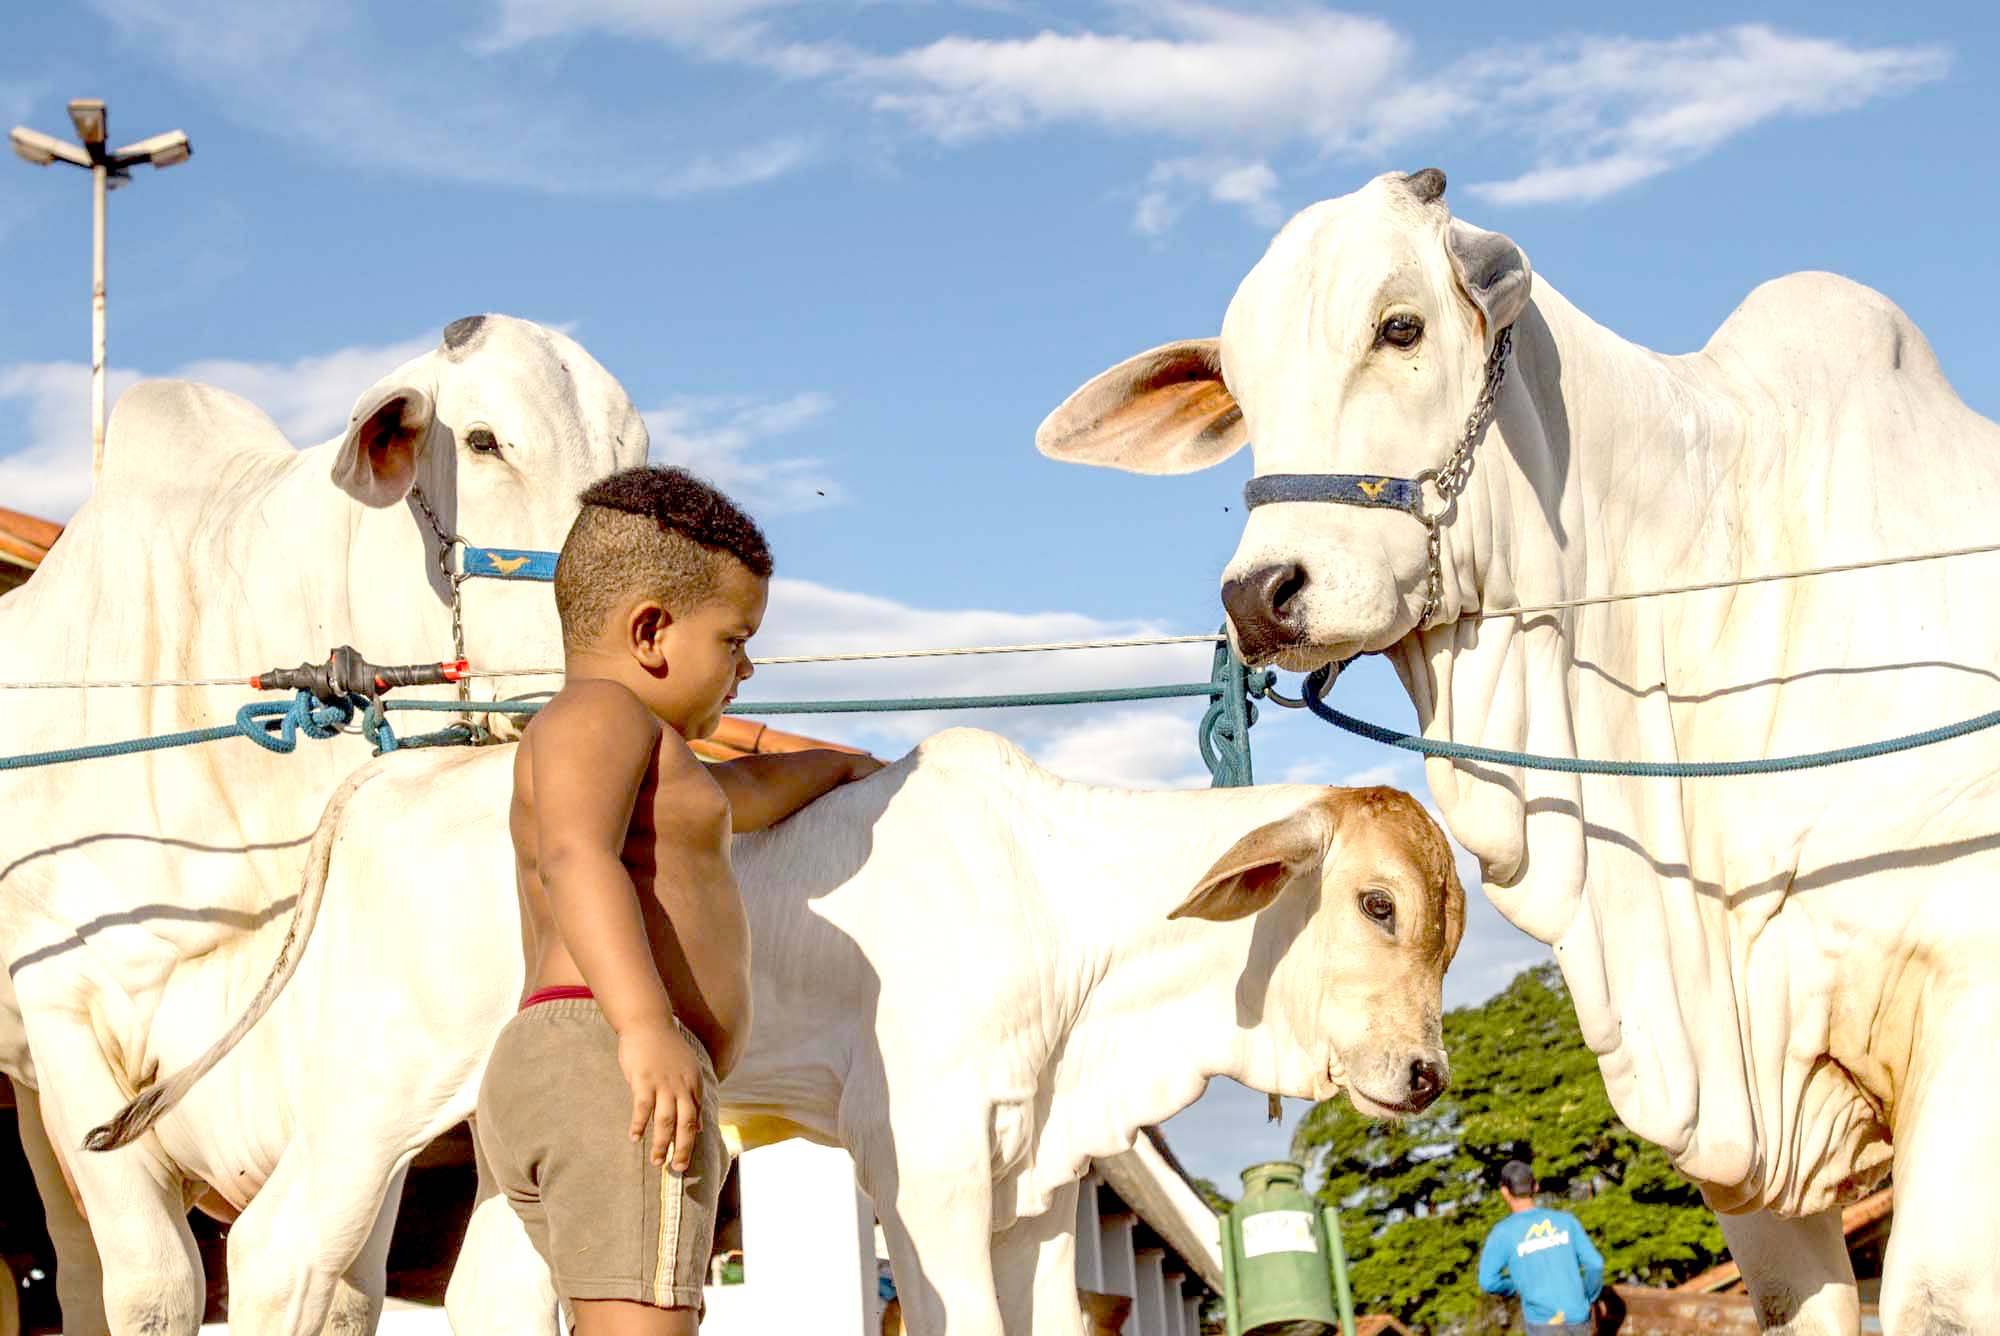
column 552, row 1129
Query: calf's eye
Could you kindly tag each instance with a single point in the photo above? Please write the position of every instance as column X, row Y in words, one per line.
column 483, row 441
column 1402, row 330
column 1379, row 906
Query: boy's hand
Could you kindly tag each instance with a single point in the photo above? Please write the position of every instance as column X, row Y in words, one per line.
column 860, row 767
column 666, row 1090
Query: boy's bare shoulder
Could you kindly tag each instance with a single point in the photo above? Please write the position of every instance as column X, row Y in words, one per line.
column 592, row 703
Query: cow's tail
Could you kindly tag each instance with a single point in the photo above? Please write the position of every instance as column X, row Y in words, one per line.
column 150, row 1104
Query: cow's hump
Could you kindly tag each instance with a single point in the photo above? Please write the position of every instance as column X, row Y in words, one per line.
column 164, row 433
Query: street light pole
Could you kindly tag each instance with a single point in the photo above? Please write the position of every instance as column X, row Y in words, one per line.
column 108, row 171
column 99, row 186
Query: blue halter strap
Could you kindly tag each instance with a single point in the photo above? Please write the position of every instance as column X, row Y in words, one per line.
column 1346, row 489
column 505, row 563
column 1404, row 494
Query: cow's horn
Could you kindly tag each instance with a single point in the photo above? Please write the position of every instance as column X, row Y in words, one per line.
column 1427, row 185
column 459, row 334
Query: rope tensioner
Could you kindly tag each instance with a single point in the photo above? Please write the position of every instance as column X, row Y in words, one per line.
column 346, row 673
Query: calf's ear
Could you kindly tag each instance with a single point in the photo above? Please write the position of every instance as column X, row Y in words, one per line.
column 1255, row 870
column 1164, row 411
column 377, row 462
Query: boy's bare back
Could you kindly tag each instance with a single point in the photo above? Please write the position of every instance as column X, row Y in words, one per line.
column 611, row 772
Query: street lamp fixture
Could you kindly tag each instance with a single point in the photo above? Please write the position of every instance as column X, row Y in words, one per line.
column 108, row 171
column 87, row 113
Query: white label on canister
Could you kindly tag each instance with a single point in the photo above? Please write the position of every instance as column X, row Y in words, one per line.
column 1278, row 1231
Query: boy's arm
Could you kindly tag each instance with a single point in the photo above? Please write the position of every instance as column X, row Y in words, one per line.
column 1591, row 1262
column 764, row 790
column 1493, row 1266
column 590, row 753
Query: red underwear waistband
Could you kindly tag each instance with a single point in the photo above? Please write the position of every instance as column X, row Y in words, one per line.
column 561, row 992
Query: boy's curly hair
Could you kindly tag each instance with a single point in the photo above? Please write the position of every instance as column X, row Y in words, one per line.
column 661, row 532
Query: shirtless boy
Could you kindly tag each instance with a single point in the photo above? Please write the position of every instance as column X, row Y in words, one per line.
column 598, row 1112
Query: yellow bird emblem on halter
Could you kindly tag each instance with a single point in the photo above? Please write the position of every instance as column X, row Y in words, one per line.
column 1373, row 490
column 506, row 565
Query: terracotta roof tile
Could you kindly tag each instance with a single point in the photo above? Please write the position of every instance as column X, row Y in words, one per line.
column 25, row 540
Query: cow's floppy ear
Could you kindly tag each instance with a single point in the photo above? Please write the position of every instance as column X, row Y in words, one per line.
column 1254, row 870
column 377, row 462
column 1164, row 411
column 1493, row 271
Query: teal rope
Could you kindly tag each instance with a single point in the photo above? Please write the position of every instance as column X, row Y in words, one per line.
column 886, row 705
column 275, row 725
column 1574, row 765
column 272, row 725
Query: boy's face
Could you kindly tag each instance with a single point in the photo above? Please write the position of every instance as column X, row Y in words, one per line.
column 707, row 651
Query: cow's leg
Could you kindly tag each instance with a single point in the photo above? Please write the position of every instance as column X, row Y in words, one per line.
column 357, row 1295
column 1034, row 1271
column 1797, row 1272
column 132, row 1196
column 500, row 1286
column 322, row 1207
column 1939, row 1274
column 79, row 1278
column 936, row 1204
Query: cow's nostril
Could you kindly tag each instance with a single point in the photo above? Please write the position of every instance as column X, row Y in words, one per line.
column 1426, row 1081
column 1284, row 585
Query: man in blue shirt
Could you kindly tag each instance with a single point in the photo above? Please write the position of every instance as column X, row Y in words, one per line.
column 1543, row 1256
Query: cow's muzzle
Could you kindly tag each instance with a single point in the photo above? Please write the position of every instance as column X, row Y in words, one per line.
column 1264, row 607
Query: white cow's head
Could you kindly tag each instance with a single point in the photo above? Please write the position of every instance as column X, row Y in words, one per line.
column 499, row 428
column 1359, row 910
column 1357, row 345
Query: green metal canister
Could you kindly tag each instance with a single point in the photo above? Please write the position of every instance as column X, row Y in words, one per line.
column 1281, row 1258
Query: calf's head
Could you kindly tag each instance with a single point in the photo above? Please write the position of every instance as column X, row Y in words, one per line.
column 500, row 426
column 1357, row 345
column 1358, row 912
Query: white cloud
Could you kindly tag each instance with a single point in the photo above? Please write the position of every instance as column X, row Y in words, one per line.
column 1204, row 73
column 1150, row 745
column 1599, row 114
column 678, row 21
column 48, row 473
column 1133, row 748
column 45, row 470
column 1611, row 112
column 1250, row 186
column 352, row 96
column 716, row 438
column 310, row 398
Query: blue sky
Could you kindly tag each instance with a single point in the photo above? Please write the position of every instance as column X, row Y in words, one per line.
column 846, row 255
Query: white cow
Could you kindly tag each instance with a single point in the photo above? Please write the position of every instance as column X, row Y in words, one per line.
column 973, row 975
column 213, row 548
column 1788, row 981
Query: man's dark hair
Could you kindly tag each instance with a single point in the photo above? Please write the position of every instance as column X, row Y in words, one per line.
column 660, row 532
column 1518, row 1178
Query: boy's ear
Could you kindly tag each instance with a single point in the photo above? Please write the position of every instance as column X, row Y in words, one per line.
column 646, row 624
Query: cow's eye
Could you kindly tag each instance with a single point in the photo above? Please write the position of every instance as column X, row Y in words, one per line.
column 1379, row 906
column 483, row 440
column 1402, row 330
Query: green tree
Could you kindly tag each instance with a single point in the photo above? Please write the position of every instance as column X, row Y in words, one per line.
column 1211, row 1195
column 1418, row 1197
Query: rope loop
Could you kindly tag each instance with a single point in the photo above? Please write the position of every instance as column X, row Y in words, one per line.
column 275, row 725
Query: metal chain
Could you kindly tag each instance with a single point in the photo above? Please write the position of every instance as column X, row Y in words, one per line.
column 448, row 542
column 1451, row 476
